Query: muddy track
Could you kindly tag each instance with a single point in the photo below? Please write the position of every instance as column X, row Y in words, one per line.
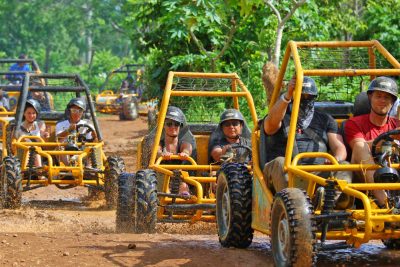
column 63, row 228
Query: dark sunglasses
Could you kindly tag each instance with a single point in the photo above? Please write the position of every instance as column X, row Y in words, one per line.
column 230, row 123
column 307, row 97
column 173, row 123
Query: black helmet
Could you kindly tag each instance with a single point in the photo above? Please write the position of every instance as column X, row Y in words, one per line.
column 383, row 84
column 175, row 114
column 309, row 86
column 231, row 114
column 79, row 102
column 33, row 103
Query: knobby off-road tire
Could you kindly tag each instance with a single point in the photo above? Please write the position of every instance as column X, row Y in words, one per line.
column 145, row 197
column 234, row 193
column 11, row 183
column 114, row 167
column 151, row 119
column 293, row 229
column 125, row 205
column 130, row 108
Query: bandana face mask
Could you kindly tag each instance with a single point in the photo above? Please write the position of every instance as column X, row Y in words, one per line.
column 306, row 113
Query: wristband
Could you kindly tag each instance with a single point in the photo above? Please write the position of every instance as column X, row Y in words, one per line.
column 283, row 98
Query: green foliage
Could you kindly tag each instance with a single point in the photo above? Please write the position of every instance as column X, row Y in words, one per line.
column 181, row 35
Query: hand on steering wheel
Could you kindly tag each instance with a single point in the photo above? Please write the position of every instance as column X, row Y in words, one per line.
column 232, row 153
column 83, row 130
column 387, row 146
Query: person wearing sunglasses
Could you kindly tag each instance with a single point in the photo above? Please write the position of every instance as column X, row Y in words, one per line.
column 177, row 140
column 74, row 112
column 315, row 132
column 229, row 132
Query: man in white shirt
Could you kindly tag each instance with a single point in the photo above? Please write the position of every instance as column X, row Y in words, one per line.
column 75, row 109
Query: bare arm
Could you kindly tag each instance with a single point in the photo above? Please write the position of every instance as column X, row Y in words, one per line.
column 218, row 151
column 337, row 146
column 186, row 150
column 273, row 121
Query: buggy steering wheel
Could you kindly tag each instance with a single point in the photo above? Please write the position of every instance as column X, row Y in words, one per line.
column 232, row 154
column 82, row 134
column 384, row 152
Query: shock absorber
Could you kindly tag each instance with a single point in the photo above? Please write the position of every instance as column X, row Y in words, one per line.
column 93, row 158
column 175, row 182
column 329, row 204
column 31, row 163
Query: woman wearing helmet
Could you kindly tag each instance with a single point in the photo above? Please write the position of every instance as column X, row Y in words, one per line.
column 176, row 142
column 231, row 126
column 31, row 126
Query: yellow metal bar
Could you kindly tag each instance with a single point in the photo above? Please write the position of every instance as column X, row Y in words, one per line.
column 161, row 117
column 295, row 108
column 235, row 98
column 372, row 60
column 386, row 54
column 336, row 44
column 204, row 75
column 162, row 168
column 352, row 72
column 281, row 74
column 207, row 93
column 250, row 101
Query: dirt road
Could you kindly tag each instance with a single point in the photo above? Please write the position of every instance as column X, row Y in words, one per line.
column 61, row 228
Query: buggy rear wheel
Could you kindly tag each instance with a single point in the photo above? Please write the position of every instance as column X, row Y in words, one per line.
column 125, row 205
column 130, row 108
column 233, row 209
column 145, row 197
column 293, row 236
column 11, row 183
column 114, row 167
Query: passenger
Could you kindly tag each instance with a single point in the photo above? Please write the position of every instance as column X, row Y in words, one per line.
column 21, row 66
column 31, row 126
column 231, row 124
column 4, row 102
column 173, row 142
column 360, row 131
column 315, row 132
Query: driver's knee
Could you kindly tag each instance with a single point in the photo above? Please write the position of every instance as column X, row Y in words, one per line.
column 345, row 175
column 274, row 174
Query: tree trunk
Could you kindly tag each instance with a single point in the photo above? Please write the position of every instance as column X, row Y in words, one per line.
column 278, row 42
column 47, row 59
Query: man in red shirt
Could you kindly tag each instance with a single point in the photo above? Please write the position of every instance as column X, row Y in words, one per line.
column 360, row 131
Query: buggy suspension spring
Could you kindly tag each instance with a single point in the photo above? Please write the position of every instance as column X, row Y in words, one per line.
column 329, row 204
column 175, row 182
column 31, row 163
column 93, row 159
column 31, row 158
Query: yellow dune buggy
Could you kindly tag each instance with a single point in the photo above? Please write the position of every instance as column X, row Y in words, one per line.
column 11, row 81
column 122, row 91
column 76, row 161
column 151, row 195
column 296, row 219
